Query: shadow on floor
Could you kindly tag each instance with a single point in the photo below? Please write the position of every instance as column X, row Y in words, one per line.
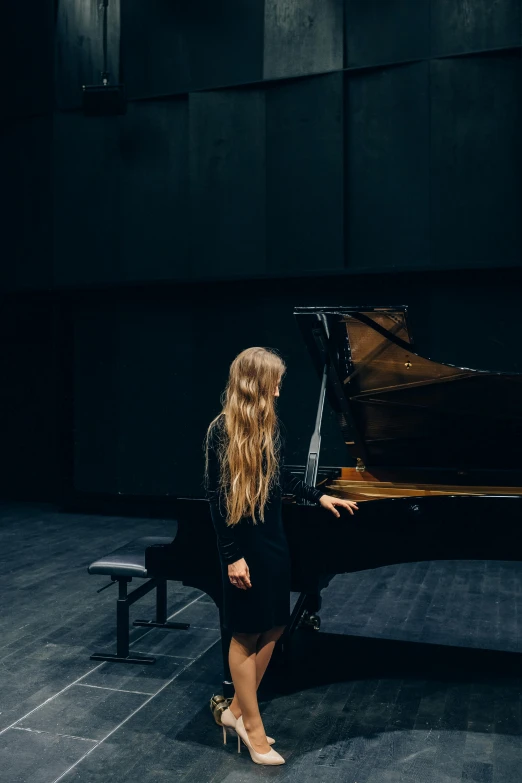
column 351, row 687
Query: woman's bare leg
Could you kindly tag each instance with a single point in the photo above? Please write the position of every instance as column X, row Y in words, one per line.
column 264, row 649
column 247, row 642
column 242, row 661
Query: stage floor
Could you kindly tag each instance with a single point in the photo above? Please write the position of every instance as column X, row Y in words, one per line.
column 414, row 677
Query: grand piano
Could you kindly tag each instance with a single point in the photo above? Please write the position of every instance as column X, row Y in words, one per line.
column 434, row 460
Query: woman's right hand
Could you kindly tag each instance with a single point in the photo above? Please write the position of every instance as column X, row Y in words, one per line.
column 239, row 574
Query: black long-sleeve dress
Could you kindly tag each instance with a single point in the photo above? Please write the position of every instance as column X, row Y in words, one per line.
column 263, row 545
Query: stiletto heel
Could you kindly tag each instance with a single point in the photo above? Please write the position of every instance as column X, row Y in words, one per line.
column 224, row 736
column 238, row 744
column 229, row 720
column 271, row 758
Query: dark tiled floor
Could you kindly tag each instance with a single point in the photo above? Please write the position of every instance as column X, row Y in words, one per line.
column 38, row 756
column 385, row 693
column 89, row 713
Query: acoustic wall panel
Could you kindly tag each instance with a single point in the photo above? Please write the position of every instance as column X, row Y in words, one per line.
column 121, row 195
column 87, row 172
column 472, row 25
column 387, row 179
column 79, row 48
column 302, row 37
column 304, row 174
column 476, row 127
column 26, row 242
column 154, row 209
column 157, row 368
column 268, row 178
column 29, row 408
column 99, row 439
column 184, row 45
column 386, row 31
column 27, row 70
column 472, row 319
column 227, row 182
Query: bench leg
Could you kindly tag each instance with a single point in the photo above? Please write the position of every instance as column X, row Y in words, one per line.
column 122, row 626
column 161, row 612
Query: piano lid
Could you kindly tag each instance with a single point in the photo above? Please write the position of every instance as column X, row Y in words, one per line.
column 399, row 409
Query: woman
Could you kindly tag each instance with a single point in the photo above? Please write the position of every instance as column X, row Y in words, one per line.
column 245, row 482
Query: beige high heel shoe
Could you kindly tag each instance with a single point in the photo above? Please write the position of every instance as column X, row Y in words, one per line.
column 271, row 758
column 229, row 720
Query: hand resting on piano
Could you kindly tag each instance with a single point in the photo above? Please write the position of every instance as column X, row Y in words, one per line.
column 330, row 503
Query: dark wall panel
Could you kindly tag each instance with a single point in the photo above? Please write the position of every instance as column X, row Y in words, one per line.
column 99, row 439
column 78, row 48
column 264, row 184
column 304, row 173
column 476, row 127
column 87, row 170
column 180, row 46
column 302, row 37
column 158, row 364
column 464, row 26
column 227, row 181
column 29, row 466
column 154, row 209
column 27, row 49
column 26, row 244
column 388, row 167
column 121, row 195
column 134, row 375
column 386, row 31
column 472, row 319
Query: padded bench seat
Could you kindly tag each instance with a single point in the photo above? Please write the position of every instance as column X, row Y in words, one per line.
column 127, row 560
column 122, row 565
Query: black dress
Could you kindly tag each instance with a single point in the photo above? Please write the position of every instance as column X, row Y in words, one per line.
column 263, row 545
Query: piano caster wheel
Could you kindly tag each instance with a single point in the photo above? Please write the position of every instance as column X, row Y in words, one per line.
column 310, row 622
column 218, row 704
column 314, row 621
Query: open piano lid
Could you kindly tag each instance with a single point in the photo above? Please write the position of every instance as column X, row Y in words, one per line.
column 399, row 409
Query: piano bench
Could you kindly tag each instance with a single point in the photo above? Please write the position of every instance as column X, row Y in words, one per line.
column 122, row 565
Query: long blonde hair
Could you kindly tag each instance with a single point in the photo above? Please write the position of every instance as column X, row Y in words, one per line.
column 248, row 438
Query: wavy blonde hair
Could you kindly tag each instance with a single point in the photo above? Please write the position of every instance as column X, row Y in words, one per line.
column 249, row 433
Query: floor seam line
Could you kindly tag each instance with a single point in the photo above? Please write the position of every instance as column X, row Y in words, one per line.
column 165, row 655
column 53, row 734
column 55, row 695
column 117, row 690
column 51, row 698
column 134, row 712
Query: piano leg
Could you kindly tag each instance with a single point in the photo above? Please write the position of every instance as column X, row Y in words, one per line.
column 304, row 615
column 295, row 617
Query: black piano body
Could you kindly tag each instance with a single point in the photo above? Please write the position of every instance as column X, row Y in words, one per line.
column 436, row 454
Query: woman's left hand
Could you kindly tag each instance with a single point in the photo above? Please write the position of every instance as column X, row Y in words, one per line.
column 327, row 501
